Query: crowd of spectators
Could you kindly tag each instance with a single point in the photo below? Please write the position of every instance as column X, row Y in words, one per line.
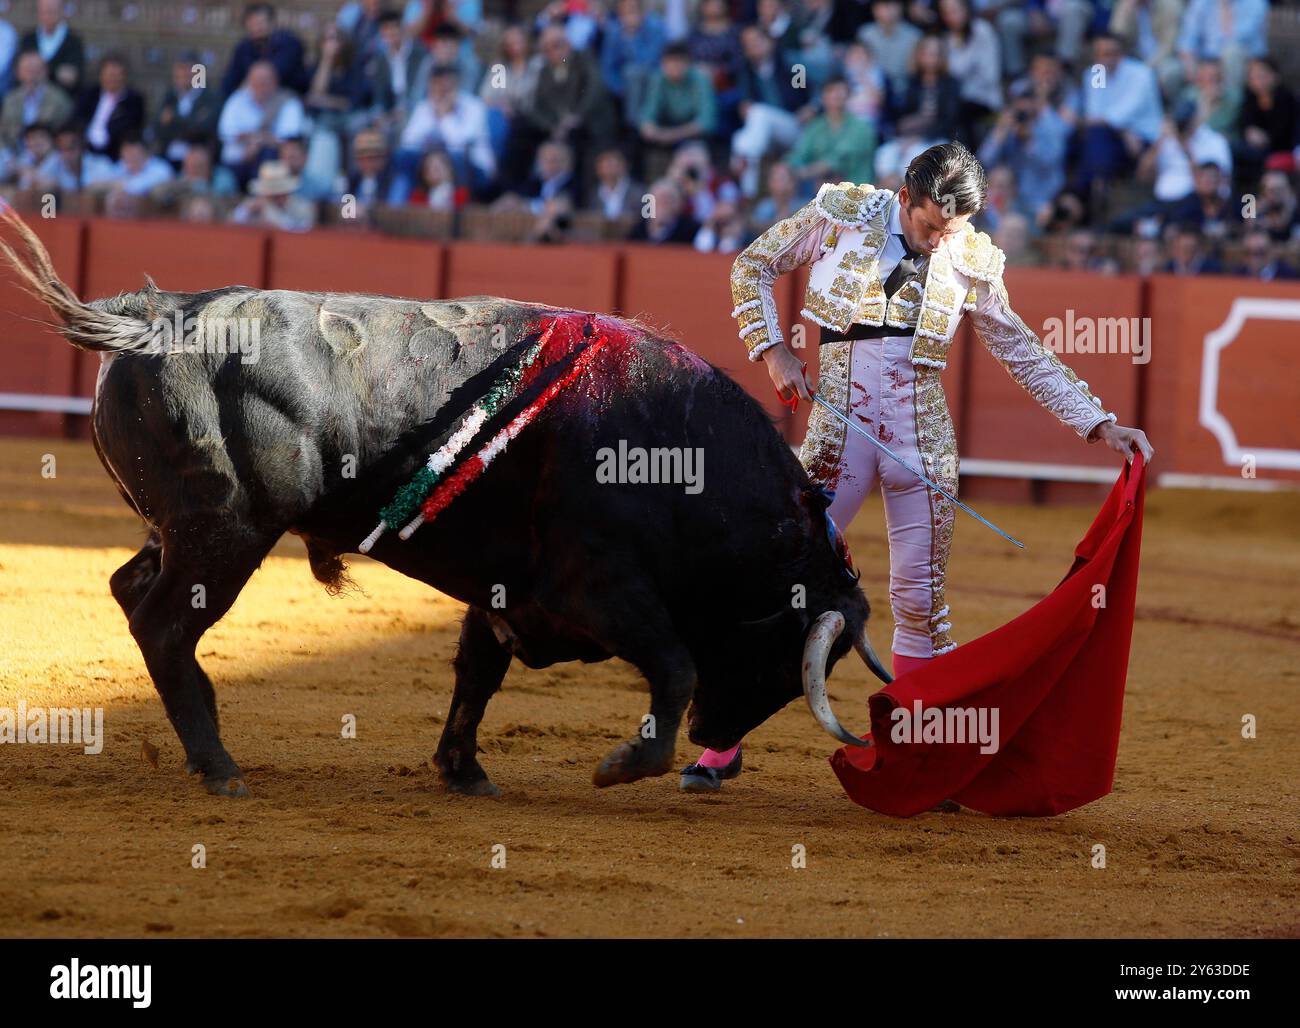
column 1161, row 124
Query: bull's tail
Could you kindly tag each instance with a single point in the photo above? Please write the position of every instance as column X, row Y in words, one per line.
column 86, row 326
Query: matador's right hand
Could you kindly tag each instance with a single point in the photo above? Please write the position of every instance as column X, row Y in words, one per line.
column 788, row 374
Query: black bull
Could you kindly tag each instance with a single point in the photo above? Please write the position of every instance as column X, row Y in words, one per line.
column 730, row 599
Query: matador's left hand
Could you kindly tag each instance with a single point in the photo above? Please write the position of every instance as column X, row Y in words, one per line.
column 1124, row 440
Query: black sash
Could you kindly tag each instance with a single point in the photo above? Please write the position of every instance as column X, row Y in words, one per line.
column 903, row 270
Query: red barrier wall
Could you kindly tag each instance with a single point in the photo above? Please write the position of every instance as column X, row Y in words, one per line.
column 582, row 277
column 37, row 360
column 180, row 257
column 1249, row 329
column 356, row 262
column 1228, row 346
column 688, row 296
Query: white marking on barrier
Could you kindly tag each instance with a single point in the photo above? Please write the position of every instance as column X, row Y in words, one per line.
column 1242, row 310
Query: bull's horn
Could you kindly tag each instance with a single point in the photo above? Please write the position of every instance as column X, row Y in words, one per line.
column 825, row 630
column 863, row 645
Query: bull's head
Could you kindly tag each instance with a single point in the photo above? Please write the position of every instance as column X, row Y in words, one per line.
column 754, row 668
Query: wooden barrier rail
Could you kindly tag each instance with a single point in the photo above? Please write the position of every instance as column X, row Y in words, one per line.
column 1180, row 327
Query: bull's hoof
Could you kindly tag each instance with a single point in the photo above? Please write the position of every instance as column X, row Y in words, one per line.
column 628, row 762
column 232, row 787
column 480, row 787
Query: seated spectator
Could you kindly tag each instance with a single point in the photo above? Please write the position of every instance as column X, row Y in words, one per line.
column 398, row 70
column 338, row 90
column 975, row 61
column 679, row 105
column 836, row 146
column 1189, row 255
column 111, row 110
column 199, row 210
column 78, row 170
column 617, row 195
column 452, row 120
column 778, row 24
column 359, row 21
column 1209, row 207
column 724, row 231
column 263, row 42
column 370, row 179
column 1012, row 237
column 60, row 48
column 189, row 113
column 1229, row 31
column 1269, row 119
column 198, row 177
column 1277, row 209
column 436, row 187
column 699, row 184
column 8, row 54
column 566, row 102
column 1262, row 259
column 1216, row 104
column 1002, row 199
column 891, row 41
column 137, row 172
column 552, row 177
column 511, row 79
column 451, row 45
column 554, row 220
column 1015, row 22
column 768, row 106
column 292, row 153
column 1031, row 139
column 424, row 18
column 634, row 39
column 1075, row 21
column 1121, row 112
column 118, row 203
column 1147, row 256
column 1068, row 211
column 781, row 201
column 35, row 100
column 36, row 164
column 1185, row 144
column 666, row 220
column 253, row 121
column 929, row 108
column 1148, row 29
column 810, row 43
column 1046, row 82
column 713, row 46
column 580, row 23
column 1082, row 253
column 868, row 88
column 274, row 202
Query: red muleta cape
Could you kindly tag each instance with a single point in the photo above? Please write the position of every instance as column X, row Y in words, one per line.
column 1056, row 675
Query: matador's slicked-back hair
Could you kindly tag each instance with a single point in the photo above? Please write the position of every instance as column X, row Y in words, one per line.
column 951, row 176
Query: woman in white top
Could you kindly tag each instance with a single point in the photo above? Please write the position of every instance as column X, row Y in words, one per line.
column 974, row 60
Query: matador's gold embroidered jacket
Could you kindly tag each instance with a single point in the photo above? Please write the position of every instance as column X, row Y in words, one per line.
column 843, row 232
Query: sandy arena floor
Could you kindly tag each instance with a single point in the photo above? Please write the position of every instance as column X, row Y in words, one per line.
column 355, row 837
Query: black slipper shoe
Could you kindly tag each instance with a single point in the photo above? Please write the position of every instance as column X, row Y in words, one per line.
column 698, row 778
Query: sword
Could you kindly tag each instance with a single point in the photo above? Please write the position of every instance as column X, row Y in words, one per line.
column 821, row 402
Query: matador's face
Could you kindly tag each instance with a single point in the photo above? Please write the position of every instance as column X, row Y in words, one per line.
column 926, row 224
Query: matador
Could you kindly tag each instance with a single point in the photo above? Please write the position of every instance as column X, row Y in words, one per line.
column 892, row 276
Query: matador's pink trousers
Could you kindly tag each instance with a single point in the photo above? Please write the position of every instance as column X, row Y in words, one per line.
column 901, row 405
